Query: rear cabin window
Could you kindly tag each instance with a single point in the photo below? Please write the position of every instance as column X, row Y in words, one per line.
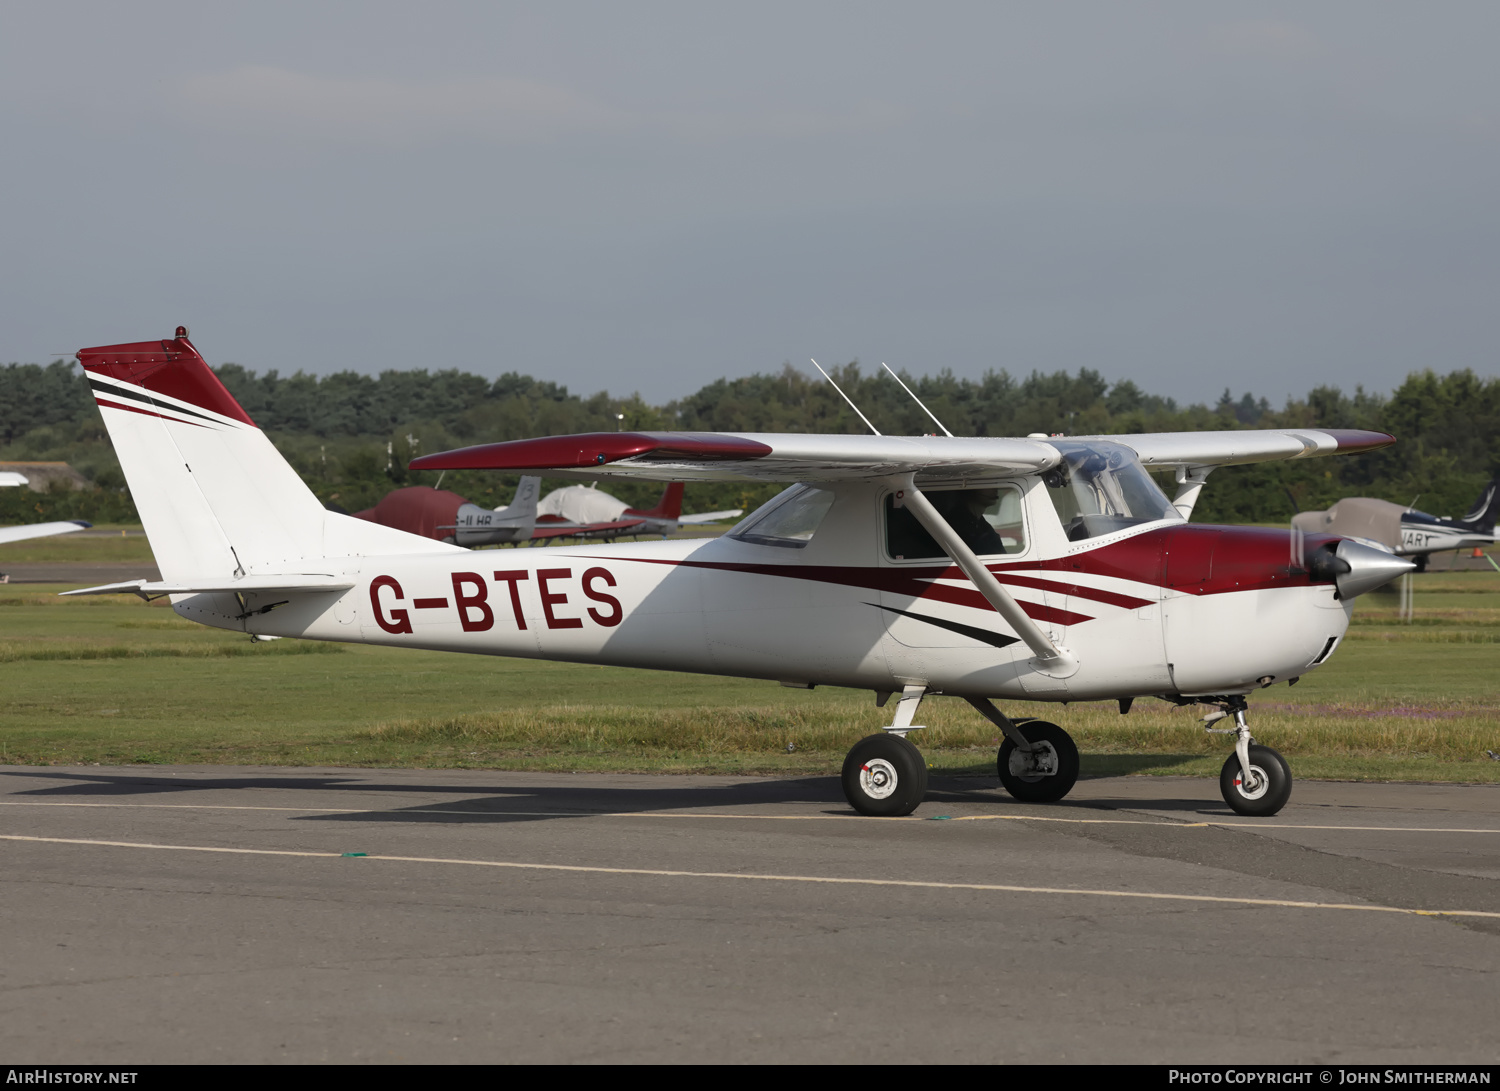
column 988, row 520
column 792, row 522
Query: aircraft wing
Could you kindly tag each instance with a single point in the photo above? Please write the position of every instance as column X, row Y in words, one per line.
column 1250, row 445
column 721, row 456
column 41, row 530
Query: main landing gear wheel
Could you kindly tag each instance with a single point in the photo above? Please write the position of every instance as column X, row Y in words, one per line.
column 1262, row 793
column 884, row 776
column 1047, row 772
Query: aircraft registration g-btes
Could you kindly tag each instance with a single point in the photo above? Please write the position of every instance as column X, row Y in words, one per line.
column 1043, row 569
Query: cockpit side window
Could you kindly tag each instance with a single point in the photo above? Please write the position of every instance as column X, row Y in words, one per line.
column 1099, row 488
column 988, row 520
column 790, row 520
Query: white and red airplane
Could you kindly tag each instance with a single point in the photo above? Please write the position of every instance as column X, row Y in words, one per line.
column 1039, row 569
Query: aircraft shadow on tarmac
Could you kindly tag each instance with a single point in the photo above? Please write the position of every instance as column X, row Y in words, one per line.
column 500, row 801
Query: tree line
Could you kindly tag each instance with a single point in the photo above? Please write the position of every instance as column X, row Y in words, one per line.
column 351, row 435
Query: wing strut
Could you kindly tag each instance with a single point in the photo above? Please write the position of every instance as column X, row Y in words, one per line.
column 1190, row 481
column 1050, row 659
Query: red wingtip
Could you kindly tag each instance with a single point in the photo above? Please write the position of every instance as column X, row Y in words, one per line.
column 593, row 449
column 1353, row 440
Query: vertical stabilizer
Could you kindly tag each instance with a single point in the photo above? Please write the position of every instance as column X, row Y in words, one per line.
column 668, row 507
column 1486, row 508
column 524, row 505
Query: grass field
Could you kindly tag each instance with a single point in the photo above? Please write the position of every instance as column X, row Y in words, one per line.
column 112, row 680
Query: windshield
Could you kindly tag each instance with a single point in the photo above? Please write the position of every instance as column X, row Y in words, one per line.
column 1100, row 487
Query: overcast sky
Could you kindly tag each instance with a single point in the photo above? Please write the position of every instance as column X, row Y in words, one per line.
column 650, row 196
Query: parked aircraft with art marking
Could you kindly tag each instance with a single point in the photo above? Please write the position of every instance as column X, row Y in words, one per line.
column 1044, row 569
column 1406, row 531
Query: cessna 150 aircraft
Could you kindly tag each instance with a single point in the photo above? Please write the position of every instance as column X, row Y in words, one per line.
column 1044, row 568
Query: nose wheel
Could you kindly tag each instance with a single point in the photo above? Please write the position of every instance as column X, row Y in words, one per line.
column 1256, row 781
column 1260, row 791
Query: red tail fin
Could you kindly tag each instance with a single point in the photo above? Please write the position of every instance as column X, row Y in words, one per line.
column 670, row 506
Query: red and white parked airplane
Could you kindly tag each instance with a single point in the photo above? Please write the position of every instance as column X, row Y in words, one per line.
column 1043, row 569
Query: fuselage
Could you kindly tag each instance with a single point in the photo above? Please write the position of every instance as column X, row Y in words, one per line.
column 1162, row 608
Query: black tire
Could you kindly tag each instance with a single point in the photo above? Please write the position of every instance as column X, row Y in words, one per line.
column 884, row 776
column 1039, row 788
column 1269, row 796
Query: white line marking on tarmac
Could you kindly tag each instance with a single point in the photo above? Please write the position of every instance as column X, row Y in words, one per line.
column 920, row 884
column 1224, row 823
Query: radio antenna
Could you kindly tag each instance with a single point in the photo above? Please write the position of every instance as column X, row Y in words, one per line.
column 918, row 400
column 846, row 397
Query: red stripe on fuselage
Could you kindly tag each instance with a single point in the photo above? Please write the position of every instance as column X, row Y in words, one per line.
column 1196, row 559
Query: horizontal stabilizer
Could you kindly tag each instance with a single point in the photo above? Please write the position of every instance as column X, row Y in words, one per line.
column 257, row 584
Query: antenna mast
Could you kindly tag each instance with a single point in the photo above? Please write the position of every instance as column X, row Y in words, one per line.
column 918, row 400
column 846, row 397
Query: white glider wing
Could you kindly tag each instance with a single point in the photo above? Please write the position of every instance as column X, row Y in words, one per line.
column 41, row 530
